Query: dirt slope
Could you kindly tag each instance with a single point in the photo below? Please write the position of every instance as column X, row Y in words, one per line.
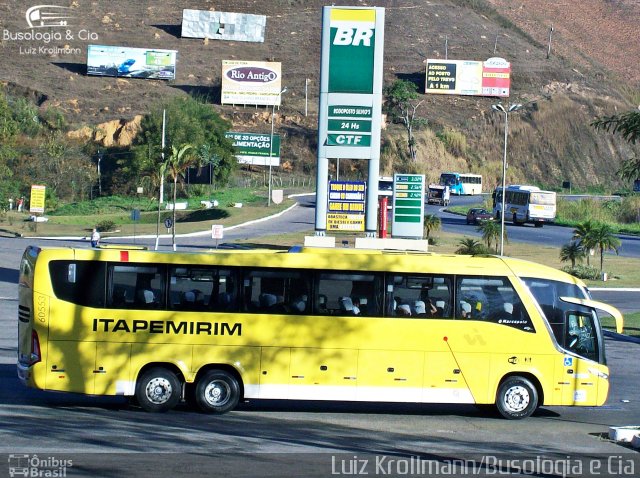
column 593, row 62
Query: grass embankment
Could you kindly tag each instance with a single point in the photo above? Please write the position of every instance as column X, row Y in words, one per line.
column 77, row 219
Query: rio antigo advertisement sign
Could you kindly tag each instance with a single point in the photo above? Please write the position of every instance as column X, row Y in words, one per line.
column 251, row 82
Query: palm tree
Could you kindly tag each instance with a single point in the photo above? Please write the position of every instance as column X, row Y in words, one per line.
column 431, row 223
column 491, row 233
column 572, row 252
column 177, row 164
column 605, row 240
column 471, row 247
column 583, row 233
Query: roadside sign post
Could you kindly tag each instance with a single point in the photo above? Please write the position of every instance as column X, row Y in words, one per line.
column 135, row 217
column 408, row 205
column 217, row 232
column 36, row 202
column 168, row 223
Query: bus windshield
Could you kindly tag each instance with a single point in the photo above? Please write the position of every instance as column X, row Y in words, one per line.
column 544, row 199
column 448, row 179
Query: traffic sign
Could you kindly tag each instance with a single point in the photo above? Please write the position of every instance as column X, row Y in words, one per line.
column 168, row 222
column 217, row 231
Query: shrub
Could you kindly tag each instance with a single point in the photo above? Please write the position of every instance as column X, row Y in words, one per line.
column 106, row 226
column 582, row 271
column 454, row 141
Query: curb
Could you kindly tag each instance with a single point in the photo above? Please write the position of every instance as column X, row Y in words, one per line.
column 190, row 234
column 621, row 337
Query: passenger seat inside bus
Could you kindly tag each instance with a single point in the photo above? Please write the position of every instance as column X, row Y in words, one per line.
column 347, row 307
column 440, row 308
column 119, row 296
column 146, row 297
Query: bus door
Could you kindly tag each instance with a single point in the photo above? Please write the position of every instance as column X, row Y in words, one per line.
column 578, row 379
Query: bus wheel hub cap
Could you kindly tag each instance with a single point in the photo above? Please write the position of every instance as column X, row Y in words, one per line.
column 158, row 390
column 517, row 398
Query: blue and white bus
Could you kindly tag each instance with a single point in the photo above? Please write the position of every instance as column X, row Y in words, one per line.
column 462, row 183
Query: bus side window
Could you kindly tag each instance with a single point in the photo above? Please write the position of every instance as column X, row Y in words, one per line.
column 140, row 286
column 347, row 293
column 276, row 291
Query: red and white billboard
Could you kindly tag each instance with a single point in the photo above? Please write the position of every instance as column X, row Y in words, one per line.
column 468, row 77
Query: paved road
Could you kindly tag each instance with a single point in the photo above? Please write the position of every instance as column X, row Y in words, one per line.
column 550, row 234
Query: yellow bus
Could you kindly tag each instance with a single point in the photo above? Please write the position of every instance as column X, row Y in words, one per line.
column 309, row 324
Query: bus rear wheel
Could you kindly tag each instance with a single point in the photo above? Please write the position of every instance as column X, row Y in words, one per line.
column 517, row 398
column 158, row 390
column 217, row 391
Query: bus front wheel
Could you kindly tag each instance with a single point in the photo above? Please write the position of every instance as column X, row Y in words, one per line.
column 158, row 390
column 217, row 391
column 517, row 398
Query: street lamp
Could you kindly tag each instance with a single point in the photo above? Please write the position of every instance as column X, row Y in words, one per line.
column 273, row 112
column 510, row 109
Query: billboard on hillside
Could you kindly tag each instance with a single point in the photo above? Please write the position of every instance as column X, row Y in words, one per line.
column 120, row 61
column 255, row 148
column 466, row 77
column 251, row 82
column 223, row 25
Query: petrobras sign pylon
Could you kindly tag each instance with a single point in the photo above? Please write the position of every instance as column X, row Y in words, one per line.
column 349, row 119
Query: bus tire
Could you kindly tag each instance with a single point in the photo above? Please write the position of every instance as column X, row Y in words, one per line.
column 158, row 390
column 217, row 391
column 517, row 398
column 538, row 224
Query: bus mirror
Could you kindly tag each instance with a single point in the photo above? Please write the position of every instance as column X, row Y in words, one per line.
column 71, row 274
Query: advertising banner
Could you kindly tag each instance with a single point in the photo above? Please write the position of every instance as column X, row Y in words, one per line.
column 127, row 62
column 36, row 201
column 472, row 78
column 346, row 206
column 251, row 82
column 255, row 148
column 223, row 25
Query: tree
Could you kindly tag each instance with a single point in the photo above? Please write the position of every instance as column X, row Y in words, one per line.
column 431, row 223
column 491, row 233
column 583, row 233
column 207, row 156
column 402, row 104
column 188, row 121
column 177, row 164
column 572, row 252
column 628, row 125
column 470, row 246
column 605, row 240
